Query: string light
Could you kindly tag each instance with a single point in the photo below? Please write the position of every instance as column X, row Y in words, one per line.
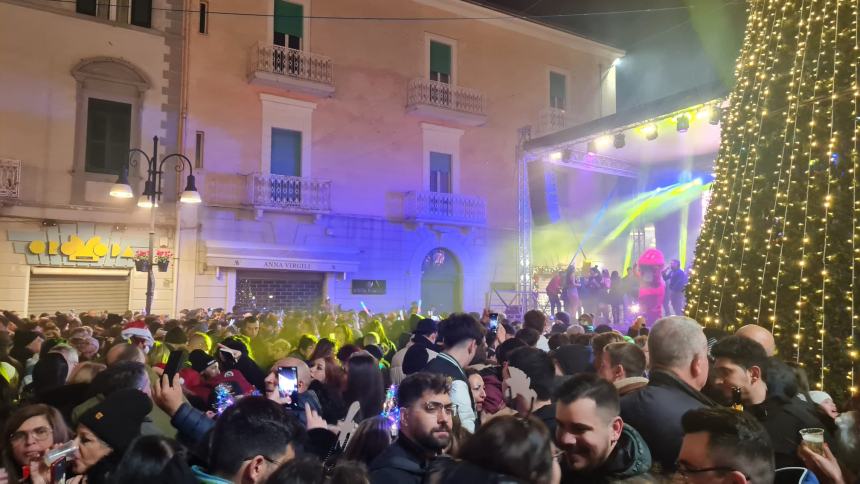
column 776, row 248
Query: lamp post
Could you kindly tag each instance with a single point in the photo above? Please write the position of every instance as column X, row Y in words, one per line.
column 151, row 195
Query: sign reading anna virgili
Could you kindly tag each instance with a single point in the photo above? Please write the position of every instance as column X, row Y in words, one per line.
column 81, row 244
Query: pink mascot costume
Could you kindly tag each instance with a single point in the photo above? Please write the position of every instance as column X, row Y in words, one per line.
column 651, row 288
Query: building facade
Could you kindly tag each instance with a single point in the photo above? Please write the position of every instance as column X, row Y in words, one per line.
column 365, row 161
column 368, row 161
column 82, row 83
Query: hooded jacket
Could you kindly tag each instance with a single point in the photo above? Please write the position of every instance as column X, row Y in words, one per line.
column 630, row 458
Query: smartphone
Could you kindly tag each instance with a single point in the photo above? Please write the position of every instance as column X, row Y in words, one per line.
column 58, row 471
column 494, row 321
column 175, row 362
column 288, row 385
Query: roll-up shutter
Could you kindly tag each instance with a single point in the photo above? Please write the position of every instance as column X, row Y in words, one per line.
column 51, row 293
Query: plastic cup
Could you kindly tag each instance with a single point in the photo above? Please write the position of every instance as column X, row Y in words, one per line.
column 814, row 439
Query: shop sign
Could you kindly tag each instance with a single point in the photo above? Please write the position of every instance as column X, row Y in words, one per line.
column 369, row 286
column 81, row 245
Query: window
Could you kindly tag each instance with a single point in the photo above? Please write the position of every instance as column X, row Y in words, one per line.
column 286, row 152
column 108, row 136
column 139, row 12
column 557, row 90
column 440, row 172
column 203, row 23
column 198, row 150
column 440, row 62
column 289, row 24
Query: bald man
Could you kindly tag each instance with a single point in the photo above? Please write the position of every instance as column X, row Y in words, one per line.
column 306, row 395
column 760, row 336
column 124, row 352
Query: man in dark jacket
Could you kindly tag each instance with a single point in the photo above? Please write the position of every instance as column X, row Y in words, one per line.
column 740, row 364
column 426, row 415
column 423, row 347
column 598, row 445
column 679, row 370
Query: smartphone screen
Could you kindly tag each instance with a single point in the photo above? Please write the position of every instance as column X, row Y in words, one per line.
column 58, row 472
column 175, row 362
column 288, row 384
column 494, row 321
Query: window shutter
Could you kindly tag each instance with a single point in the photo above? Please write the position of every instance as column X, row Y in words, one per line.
column 87, row 7
column 557, row 90
column 440, row 58
column 289, row 18
column 286, row 152
column 108, row 135
column 141, row 13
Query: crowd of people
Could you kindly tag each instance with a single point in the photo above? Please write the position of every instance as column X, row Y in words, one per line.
column 352, row 397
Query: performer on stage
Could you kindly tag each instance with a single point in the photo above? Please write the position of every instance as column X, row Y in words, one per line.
column 553, row 292
column 651, row 288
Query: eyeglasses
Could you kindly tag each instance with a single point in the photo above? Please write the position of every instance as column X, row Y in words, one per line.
column 435, row 407
column 41, row 434
column 684, row 472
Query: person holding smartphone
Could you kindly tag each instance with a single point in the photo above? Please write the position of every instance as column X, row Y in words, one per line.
column 294, row 401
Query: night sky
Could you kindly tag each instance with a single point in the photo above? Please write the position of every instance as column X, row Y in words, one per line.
column 668, row 51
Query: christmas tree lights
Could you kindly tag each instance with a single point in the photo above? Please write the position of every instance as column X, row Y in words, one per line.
column 779, row 244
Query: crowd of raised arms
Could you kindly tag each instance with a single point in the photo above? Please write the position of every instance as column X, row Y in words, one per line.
column 354, row 397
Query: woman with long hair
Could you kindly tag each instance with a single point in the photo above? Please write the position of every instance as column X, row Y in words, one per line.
column 153, row 458
column 328, row 378
column 30, row 431
column 371, row 437
column 364, row 385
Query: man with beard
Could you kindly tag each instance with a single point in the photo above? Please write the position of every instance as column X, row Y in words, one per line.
column 426, row 414
column 597, row 445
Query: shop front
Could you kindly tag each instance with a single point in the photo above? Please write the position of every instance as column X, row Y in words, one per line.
column 78, row 266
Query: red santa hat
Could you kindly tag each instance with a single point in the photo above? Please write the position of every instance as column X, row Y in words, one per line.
column 137, row 329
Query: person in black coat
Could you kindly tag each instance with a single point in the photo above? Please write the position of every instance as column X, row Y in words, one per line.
column 425, row 430
column 743, row 367
column 679, row 370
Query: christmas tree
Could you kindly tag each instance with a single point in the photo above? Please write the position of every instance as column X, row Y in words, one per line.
column 779, row 246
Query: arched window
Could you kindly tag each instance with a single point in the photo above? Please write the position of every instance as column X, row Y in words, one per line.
column 110, row 95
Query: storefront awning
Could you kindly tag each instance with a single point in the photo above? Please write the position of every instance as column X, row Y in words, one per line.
column 246, row 255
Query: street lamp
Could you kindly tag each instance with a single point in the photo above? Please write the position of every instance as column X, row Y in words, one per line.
column 151, row 194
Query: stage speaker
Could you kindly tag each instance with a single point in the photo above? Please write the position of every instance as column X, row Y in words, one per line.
column 543, row 193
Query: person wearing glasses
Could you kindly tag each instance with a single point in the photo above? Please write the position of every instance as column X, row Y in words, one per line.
column 426, row 418
column 30, row 431
column 722, row 445
column 598, row 445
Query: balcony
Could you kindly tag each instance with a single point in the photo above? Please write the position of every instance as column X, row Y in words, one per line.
column 551, row 120
column 10, row 179
column 444, row 208
column 288, row 194
column 446, row 102
column 290, row 69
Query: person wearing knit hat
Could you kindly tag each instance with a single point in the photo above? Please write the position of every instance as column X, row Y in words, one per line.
column 204, row 364
column 110, row 427
column 26, row 343
column 823, row 400
column 87, row 346
column 137, row 333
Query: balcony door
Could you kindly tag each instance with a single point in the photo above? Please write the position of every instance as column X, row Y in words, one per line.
column 441, row 281
column 286, row 161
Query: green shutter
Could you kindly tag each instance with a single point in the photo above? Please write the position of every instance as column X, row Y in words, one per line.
column 87, row 7
column 108, row 136
column 440, row 58
column 289, row 18
column 557, row 89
